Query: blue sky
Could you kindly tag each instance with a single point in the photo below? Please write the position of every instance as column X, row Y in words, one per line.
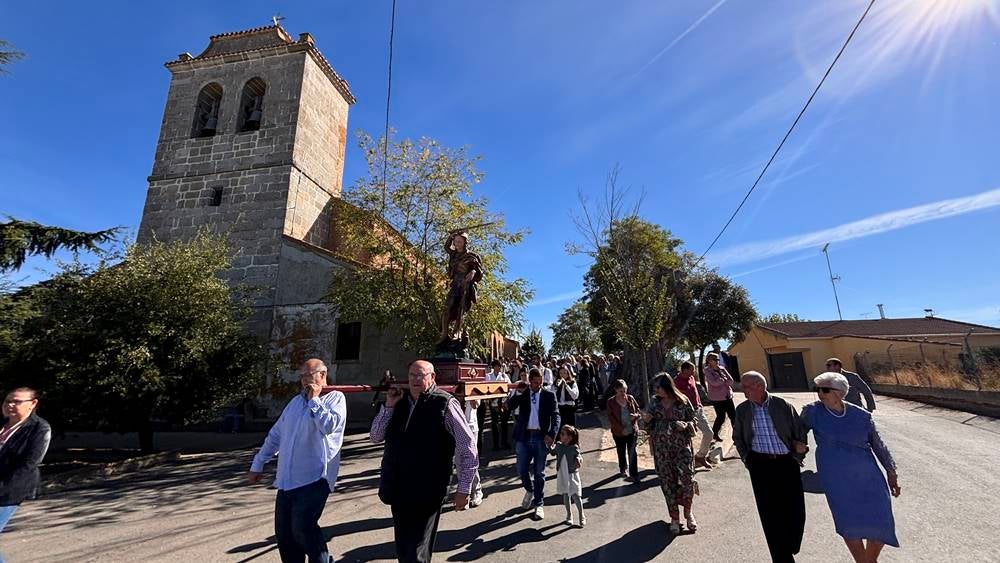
column 895, row 163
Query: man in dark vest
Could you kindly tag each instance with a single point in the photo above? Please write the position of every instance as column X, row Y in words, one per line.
column 423, row 431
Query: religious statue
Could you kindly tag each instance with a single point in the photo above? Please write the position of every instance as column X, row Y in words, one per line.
column 465, row 270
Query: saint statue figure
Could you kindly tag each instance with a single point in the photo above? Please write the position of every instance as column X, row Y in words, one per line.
column 465, row 269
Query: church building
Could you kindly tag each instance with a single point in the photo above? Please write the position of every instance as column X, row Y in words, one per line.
column 252, row 146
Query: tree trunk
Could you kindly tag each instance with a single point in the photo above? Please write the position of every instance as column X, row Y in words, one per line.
column 146, row 438
column 645, row 380
column 701, row 365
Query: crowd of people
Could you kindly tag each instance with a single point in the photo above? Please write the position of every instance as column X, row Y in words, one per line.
column 433, row 443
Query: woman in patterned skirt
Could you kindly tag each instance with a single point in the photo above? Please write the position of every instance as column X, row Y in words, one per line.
column 670, row 422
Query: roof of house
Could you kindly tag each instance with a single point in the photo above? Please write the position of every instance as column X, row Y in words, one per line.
column 261, row 41
column 919, row 326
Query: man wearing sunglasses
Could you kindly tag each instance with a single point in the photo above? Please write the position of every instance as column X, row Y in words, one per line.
column 858, row 385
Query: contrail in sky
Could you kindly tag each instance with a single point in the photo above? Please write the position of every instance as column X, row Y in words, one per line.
column 884, row 222
column 678, row 39
column 568, row 296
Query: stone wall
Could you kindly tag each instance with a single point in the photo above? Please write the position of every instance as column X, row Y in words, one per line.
column 179, row 154
column 251, row 215
column 321, row 130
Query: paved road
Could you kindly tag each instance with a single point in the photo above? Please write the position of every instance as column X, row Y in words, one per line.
column 198, row 510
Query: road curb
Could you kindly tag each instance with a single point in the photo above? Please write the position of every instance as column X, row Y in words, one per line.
column 88, row 476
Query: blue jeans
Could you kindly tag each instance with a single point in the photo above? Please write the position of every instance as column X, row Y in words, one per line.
column 531, row 453
column 5, row 514
column 296, row 523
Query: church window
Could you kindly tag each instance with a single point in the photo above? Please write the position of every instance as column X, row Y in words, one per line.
column 206, row 113
column 252, row 105
column 216, row 197
column 348, row 341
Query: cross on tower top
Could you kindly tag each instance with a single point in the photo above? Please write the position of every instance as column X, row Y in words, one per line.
column 276, row 19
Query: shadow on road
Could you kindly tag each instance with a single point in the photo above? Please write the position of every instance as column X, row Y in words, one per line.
column 331, row 533
column 127, row 496
column 641, row 544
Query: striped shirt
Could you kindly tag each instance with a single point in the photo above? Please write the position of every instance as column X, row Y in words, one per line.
column 467, row 458
column 765, row 437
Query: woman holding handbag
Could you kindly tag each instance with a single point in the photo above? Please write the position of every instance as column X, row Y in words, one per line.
column 670, row 422
column 623, row 416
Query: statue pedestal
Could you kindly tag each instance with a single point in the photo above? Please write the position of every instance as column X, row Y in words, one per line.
column 452, row 372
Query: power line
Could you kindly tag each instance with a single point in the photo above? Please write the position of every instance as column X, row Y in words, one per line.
column 388, row 100
column 789, row 132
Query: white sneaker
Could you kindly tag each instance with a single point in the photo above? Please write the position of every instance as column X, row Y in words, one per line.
column 569, row 520
column 476, row 500
column 539, row 513
column 583, row 520
column 528, row 497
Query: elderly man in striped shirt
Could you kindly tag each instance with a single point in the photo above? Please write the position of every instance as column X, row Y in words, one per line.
column 771, row 442
column 425, row 433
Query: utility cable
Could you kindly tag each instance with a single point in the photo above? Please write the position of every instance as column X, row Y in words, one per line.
column 388, row 100
column 789, row 132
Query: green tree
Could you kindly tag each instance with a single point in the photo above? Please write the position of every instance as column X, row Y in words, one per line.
column 533, row 344
column 395, row 231
column 782, row 318
column 631, row 285
column 720, row 310
column 20, row 239
column 572, row 332
column 158, row 338
column 8, row 54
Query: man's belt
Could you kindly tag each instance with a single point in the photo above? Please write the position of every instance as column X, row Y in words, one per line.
column 769, row 456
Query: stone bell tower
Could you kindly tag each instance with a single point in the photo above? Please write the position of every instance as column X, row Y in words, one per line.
column 251, row 146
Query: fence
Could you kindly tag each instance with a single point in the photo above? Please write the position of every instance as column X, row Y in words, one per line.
column 927, row 364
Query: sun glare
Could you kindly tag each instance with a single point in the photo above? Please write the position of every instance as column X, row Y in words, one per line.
column 899, row 33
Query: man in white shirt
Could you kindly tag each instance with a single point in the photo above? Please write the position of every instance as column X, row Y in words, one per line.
column 535, row 429
column 309, row 434
column 499, row 415
column 546, row 372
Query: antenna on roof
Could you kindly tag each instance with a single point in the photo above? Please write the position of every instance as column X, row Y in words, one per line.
column 833, row 279
column 276, row 19
column 929, row 313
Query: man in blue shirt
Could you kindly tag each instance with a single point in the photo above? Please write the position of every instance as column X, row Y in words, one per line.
column 308, row 434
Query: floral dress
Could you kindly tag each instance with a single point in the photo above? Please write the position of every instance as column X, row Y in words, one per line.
column 673, row 455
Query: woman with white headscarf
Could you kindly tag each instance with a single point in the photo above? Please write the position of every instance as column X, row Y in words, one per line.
column 847, row 446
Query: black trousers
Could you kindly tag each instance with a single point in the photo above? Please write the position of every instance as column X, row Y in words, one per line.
column 567, row 414
column 296, row 523
column 626, row 446
column 722, row 409
column 481, row 425
column 414, row 529
column 499, row 427
column 777, row 488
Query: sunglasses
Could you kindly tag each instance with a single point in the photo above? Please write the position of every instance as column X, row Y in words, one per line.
column 825, row 389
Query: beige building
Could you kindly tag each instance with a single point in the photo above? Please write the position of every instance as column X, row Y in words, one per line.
column 791, row 354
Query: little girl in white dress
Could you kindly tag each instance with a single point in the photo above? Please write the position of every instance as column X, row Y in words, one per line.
column 568, row 463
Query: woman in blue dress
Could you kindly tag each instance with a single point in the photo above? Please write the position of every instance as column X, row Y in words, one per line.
column 847, row 446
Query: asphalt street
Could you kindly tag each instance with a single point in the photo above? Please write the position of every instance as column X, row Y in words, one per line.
column 199, row 509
